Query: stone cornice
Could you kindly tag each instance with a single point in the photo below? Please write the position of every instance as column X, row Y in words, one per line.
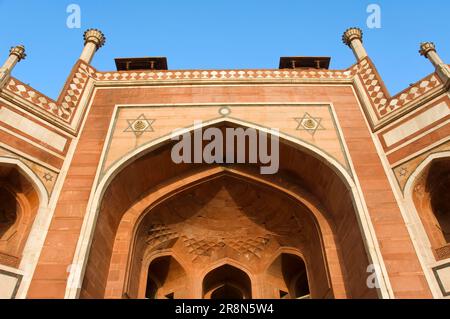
column 382, row 104
column 223, row 75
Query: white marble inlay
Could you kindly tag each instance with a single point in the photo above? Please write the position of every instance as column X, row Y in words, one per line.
column 32, row 129
column 414, row 125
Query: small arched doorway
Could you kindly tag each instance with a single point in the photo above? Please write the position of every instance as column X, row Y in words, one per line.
column 19, row 203
column 438, row 186
column 166, row 279
column 288, row 275
column 431, row 197
column 227, row 282
column 24, row 212
column 8, row 211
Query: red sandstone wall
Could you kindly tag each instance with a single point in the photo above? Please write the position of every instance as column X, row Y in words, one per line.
column 400, row 258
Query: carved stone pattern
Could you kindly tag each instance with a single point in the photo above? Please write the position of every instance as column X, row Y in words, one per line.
column 373, row 85
column 222, row 75
column 7, row 260
column 202, row 247
column 443, row 252
column 68, row 102
column 411, row 94
column 250, row 246
column 160, row 233
column 253, row 247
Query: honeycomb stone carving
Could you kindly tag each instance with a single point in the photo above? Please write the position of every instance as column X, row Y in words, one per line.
column 159, row 233
column 249, row 247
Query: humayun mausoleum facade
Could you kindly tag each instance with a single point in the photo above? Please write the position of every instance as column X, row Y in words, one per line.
column 92, row 204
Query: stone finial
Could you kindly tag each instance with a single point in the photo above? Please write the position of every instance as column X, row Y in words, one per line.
column 94, row 36
column 428, row 50
column 94, row 39
column 352, row 34
column 353, row 38
column 18, row 51
column 426, row 47
column 16, row 54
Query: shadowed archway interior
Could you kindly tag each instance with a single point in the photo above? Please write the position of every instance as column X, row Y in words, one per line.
column 9, row 211
column 19, row 203
column 227, row 282
column 438, row 185
column 229, row 218
column 165, row 275
column 291, row 273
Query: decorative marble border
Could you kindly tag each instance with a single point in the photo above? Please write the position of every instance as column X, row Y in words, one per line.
column 220, row 117
column 66, row 106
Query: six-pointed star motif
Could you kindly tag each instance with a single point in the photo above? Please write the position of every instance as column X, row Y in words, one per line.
column 309, row 123
column 140, row 125
column 403, row 172
column 48, row 177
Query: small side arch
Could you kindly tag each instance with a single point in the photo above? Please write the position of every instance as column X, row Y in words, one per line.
column 167, row 274
column 148, row 259
column 240, row 281
column 34, row 240
column 29, row 175
column 409, row 191
column 297, row 254
column 420, row 237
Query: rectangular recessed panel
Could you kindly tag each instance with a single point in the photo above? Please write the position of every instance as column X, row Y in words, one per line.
column 32, row 129
column 414, row 125
column 7, row 286
column 442, row 274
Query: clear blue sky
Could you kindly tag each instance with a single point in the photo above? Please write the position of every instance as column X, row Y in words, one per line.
column 222, row 34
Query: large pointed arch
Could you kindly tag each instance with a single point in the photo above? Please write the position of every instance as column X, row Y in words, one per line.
column 103, row 181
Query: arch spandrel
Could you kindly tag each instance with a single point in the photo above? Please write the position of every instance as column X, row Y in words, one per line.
column 406, row 170
column 137, row 127
column 45, row 175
